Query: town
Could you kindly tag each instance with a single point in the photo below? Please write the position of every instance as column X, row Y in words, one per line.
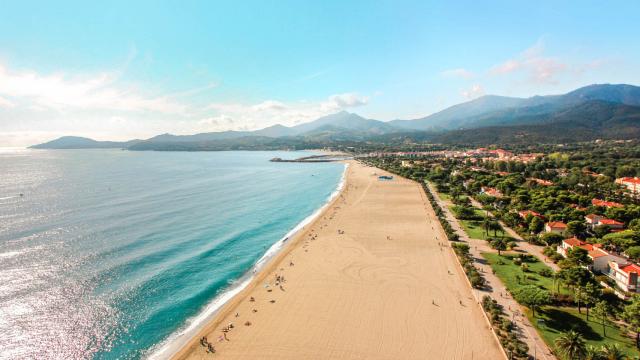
column 558, row 228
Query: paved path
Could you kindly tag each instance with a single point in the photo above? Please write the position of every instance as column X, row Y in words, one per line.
column 538, row 349
column 522, row 244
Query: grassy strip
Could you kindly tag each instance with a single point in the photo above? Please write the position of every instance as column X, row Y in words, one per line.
column 555, row 319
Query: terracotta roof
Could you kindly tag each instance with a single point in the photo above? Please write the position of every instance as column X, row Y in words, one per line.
column 598, row 202
column 574, row 241
column 524, row 213
column 631, row 268
column 610, row 222
column 596, row 253
column 632, row 180
column 557, row 224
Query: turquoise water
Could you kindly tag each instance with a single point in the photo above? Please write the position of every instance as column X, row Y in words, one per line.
column 107, row 253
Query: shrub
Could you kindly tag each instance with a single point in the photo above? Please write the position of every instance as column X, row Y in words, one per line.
column 546, row 272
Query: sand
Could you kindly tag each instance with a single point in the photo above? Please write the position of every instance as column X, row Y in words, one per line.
column 367, row 280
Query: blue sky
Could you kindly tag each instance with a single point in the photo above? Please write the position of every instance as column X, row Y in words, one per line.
column 135, row 69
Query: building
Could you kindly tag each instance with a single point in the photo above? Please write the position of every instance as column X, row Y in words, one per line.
column 541, row 181
column 598, row 220
column 593, row 219
column 613, row 224
column 491, row 192
column 557, row 227
column 631, row 183
column 625, row 274
column 607, row 204
column 599, row 257
column 524, row 213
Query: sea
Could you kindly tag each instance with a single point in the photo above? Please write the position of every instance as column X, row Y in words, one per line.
column 112, row 254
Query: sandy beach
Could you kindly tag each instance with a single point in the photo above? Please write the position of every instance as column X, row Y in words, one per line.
column 367, row 280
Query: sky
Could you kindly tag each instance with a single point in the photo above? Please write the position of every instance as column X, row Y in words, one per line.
column 134, row 69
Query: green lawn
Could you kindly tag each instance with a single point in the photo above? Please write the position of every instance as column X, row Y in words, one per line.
column 556, row 319
column 473, row 228
column 513, row 277
column 559, row 319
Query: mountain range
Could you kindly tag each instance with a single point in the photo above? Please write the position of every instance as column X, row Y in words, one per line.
column 596, row 111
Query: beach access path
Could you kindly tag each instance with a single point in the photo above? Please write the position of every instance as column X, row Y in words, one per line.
column 538, row 349
column 372, row 278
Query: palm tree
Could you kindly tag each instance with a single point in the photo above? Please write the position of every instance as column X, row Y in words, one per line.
column 612, row 352
column 592, row 353
column 571, row 345
column 486, row 225
column 499, row 244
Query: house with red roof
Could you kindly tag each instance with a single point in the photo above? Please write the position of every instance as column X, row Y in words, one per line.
column 625, row 274
column 613, row 224
column 631, row 183
column 607, row 204
column 524, row 213
column 491, row 192
column 598, row 256
column 594, row 221
column 557, row 227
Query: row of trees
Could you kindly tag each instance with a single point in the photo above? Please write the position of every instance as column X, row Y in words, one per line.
column 505, row 329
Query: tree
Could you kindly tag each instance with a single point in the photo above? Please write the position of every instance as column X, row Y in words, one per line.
column 632, row 316
column 532, row 297
column 571, row 345
column 634, row 225
column 592, row 353
column 578, row 257
column 495, row 226
column 499, row 244
column 600, row 231
column 611, row 351
column 633, row 252
column 486, row 225
column 602, row 311
column 575, row 276
column 576, row 228
column 551, row 238
column 591, row 294
column 536, row 225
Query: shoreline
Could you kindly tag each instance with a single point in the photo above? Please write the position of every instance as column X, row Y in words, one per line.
column 372, row 280
column 184, row 338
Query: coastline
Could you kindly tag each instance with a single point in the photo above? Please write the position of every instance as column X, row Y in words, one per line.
column 184, row 338
column 357, row 294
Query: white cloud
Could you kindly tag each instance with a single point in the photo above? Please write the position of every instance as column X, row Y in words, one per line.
column 537, row 67
column 271, row 112
column 270, row 105
column 507, row 67
column 474, row 92
column 458, row 73
column 348, row 100
column 102, row 106
column 59, row 91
